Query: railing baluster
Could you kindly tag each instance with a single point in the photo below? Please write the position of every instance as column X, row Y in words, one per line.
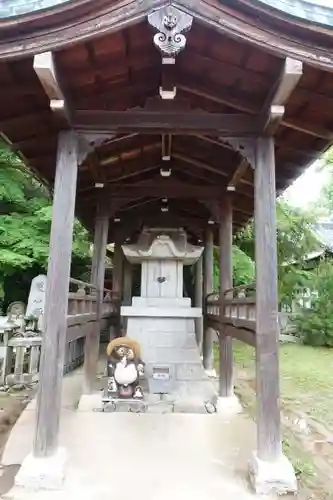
column 239, row 307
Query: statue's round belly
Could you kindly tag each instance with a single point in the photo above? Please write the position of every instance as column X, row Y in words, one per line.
column 126, row 375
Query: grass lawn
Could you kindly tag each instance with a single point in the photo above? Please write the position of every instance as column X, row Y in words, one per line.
column 306, row 378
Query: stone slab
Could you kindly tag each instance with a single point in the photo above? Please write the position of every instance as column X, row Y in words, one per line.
column 153, row 312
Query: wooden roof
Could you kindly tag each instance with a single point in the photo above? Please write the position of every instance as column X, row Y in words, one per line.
column 118, row 68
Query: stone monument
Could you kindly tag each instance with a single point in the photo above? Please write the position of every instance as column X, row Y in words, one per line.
column 161, row 320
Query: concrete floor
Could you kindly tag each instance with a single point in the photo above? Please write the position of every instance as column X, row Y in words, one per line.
column 118, row 456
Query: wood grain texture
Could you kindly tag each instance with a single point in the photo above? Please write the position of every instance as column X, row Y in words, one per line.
column 208, row 334
column 53, row 349
column 91, row 351
column 225, row 243
column 267, row 348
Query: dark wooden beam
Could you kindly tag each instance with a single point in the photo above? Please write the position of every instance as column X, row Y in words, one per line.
column 54, row 337
column 267, row 342
column 274, row 107
column 164, row 189
column 148, row 122
column 246, row 336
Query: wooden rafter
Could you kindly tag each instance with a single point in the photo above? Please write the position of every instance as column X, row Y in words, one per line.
column 246, row 107
column 129, row 172
column 199, row 164
column 274, row 107
column 118, row 157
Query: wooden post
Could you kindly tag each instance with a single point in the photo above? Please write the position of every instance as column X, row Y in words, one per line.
column 199, row 301
column 127, row 293
column 225, row 242
column 91, row 351
column 117, row 282
column 207, row 341
column 267, row 365
column 54, row 338
column 117, row 275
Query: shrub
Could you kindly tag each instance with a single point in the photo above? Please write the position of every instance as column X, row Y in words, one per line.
column 315, row 325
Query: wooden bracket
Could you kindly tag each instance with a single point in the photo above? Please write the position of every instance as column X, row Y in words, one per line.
column 88, row 142
column 244, row 146
column 45, row 70
column 274, row 106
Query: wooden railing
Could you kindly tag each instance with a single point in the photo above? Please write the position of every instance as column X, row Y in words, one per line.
column 21, row 352
column 239, row 311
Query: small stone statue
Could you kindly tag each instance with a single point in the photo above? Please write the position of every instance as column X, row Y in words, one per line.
column 124, row 369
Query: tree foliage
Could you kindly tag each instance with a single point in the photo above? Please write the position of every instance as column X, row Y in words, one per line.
column 25, row 223
column 243, row 267
column 315, row 324
column 295, row 240
column 325, row 201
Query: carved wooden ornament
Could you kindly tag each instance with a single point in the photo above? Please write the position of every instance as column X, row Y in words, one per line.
column 170, row 22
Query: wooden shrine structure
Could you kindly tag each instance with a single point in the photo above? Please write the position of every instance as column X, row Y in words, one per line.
column 186, row 113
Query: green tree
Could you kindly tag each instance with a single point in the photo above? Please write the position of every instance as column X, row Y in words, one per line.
column 243, row 267
column 295, row 240
column 315, row 324
column 325, row 199
column 25, row 223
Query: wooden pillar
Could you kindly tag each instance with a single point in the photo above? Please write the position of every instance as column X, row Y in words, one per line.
column 117, row 275
column 127, row 292
column 207, row 341
column 54, row 338
column 91, row 350
column 117, row 283
column 199, row 301
column 267, row 365
column 225, row 242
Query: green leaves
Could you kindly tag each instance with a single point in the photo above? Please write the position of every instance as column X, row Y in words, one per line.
column 315, row 325
column 25, row 224
column 243, row 267
column 295, row 240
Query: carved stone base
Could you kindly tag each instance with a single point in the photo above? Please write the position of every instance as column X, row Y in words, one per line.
column 272, row 477
column 228, row 405
column 42, row 473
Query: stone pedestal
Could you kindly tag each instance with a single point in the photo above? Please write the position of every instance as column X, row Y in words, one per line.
column 163, row 321
column 272, row 477
column 42, row 473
